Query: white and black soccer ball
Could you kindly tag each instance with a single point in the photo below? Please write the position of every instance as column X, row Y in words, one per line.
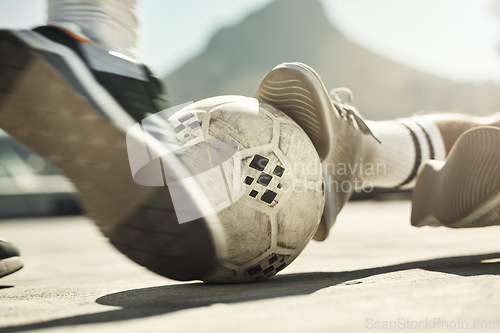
column 269, row 195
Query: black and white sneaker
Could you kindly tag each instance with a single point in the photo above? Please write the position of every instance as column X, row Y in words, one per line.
column 10, row 258
column 72, row 102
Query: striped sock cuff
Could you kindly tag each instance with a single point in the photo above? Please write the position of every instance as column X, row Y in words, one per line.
column 429, row 145
column 406, row 143
column 429, row 136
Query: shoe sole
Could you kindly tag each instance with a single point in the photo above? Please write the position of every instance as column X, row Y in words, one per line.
column 47, row 111
column 464, row 192
column 10, row 265
column 297, row 90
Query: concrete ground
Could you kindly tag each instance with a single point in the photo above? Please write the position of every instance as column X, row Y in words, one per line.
column 375, row 272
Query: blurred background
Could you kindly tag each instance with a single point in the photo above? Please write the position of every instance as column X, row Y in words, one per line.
column 398, row 57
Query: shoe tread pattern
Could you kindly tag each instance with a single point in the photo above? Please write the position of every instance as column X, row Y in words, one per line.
column 41, row 111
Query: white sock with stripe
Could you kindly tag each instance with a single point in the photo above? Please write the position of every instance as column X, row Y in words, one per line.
column 406, row 143
column 108, row 23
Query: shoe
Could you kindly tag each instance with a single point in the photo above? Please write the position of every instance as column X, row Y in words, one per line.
column 10, row 260
column 334, row 127
column 463, row 191
column 72, row 102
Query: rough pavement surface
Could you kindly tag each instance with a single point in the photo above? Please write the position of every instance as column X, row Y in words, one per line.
column 374, row 273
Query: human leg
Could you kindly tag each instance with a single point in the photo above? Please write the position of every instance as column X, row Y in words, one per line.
column 352, row 158
column 69, row 99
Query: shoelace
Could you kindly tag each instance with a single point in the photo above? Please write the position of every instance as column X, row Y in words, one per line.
column 349, row 112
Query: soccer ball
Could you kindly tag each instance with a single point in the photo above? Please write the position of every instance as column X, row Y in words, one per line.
column 276, row 189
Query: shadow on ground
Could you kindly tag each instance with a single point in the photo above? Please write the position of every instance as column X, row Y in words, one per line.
column 146, row 302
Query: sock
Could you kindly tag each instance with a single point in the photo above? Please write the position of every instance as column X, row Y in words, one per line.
column 406, row 143
column 111, row 24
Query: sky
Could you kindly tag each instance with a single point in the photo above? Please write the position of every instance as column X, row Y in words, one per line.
column 456, row 39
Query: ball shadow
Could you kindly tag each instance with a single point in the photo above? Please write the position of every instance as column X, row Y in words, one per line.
column 147, row 302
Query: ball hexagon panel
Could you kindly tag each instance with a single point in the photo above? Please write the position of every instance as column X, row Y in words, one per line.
column 249, row 129
column 305, row 213
column 300, row 152
column 255, row 234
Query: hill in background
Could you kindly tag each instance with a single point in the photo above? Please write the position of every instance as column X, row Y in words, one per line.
column 295, row 30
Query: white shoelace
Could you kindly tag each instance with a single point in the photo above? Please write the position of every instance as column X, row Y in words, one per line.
column 348, row 112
